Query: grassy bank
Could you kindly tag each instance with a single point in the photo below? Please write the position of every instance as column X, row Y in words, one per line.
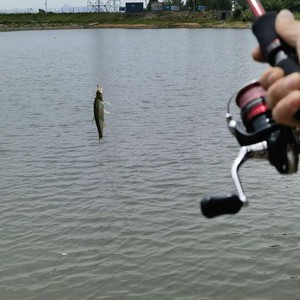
column 113, row 20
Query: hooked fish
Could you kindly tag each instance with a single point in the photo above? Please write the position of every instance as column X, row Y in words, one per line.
column 99, row 111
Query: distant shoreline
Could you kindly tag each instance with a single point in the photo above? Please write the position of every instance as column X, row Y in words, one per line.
column 51, row 21
column 224, row 25
column 237, row 25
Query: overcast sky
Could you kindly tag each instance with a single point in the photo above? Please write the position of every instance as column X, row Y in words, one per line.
column 11, row 4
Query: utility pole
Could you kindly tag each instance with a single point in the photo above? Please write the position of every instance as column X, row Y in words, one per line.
column 46, row 6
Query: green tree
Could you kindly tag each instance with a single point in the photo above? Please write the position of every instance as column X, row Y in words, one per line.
column 269, row 5
column 293, row 5
column 277, row 5
column 192, row 4
column 210, row 4
column 173, row 2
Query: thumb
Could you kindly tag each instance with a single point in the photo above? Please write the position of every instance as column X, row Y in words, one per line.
column 287, row 27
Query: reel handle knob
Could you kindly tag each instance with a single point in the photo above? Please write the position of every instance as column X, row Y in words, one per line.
column 213, row 206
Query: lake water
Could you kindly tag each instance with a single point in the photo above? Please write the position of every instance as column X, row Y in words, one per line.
column 119, row 218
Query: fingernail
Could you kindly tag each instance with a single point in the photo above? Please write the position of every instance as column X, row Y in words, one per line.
column 285, row 15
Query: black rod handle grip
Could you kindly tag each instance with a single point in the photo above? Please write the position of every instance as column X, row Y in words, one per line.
column 276, row 51
column 220, row 205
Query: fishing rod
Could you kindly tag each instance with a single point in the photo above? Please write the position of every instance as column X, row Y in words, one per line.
column 259, row 136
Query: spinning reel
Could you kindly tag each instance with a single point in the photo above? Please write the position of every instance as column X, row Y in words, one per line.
column 261, row 138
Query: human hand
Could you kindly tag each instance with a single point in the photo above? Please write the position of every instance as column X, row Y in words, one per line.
column 283, row 93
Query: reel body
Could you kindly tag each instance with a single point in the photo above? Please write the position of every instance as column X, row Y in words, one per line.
column 257, row 126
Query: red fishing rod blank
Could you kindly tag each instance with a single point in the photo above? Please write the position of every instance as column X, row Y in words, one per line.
column 256, row 8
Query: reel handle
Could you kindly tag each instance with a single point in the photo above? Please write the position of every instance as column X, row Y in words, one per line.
column 213, row 206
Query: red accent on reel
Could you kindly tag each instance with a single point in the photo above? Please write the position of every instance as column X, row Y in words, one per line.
column 256, row 111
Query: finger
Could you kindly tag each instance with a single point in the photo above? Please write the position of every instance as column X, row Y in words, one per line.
column 270, row 76
column 284, row 111
column 288, row 28
column 258, row 55
column 281, row 88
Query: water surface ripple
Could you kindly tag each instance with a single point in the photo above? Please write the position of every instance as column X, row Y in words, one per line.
column 119, row 218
